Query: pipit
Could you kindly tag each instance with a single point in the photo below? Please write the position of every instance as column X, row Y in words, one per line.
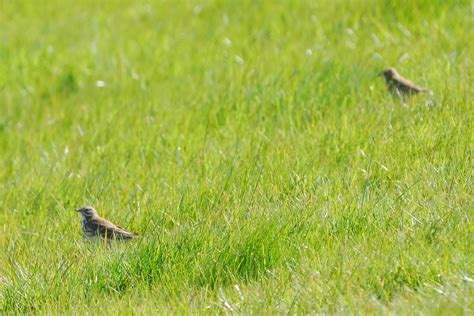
column 95, row 227
column 399, row 85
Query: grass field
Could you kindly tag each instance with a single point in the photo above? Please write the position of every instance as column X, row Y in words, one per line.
column 250, row 145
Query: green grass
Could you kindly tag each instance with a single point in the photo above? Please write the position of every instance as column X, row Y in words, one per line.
column 251, row 146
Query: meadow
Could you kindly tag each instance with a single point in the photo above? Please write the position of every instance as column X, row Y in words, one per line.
column 252, row 147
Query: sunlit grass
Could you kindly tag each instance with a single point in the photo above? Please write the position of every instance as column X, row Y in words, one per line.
column 249, row 144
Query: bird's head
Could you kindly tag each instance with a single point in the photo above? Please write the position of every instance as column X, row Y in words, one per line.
column 87, row 212
column 389, row 73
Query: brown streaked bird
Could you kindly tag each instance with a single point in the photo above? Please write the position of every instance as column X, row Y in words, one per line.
column 399, row 85
column 96, row 227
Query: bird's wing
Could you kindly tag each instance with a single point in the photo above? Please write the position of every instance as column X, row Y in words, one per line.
column 105, row 227
column 406, row 85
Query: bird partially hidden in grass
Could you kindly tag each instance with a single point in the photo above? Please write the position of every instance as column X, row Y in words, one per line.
column 400, row 86
column 95, row 227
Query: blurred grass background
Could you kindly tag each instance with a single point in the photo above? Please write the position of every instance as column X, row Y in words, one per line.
column 252, row 147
